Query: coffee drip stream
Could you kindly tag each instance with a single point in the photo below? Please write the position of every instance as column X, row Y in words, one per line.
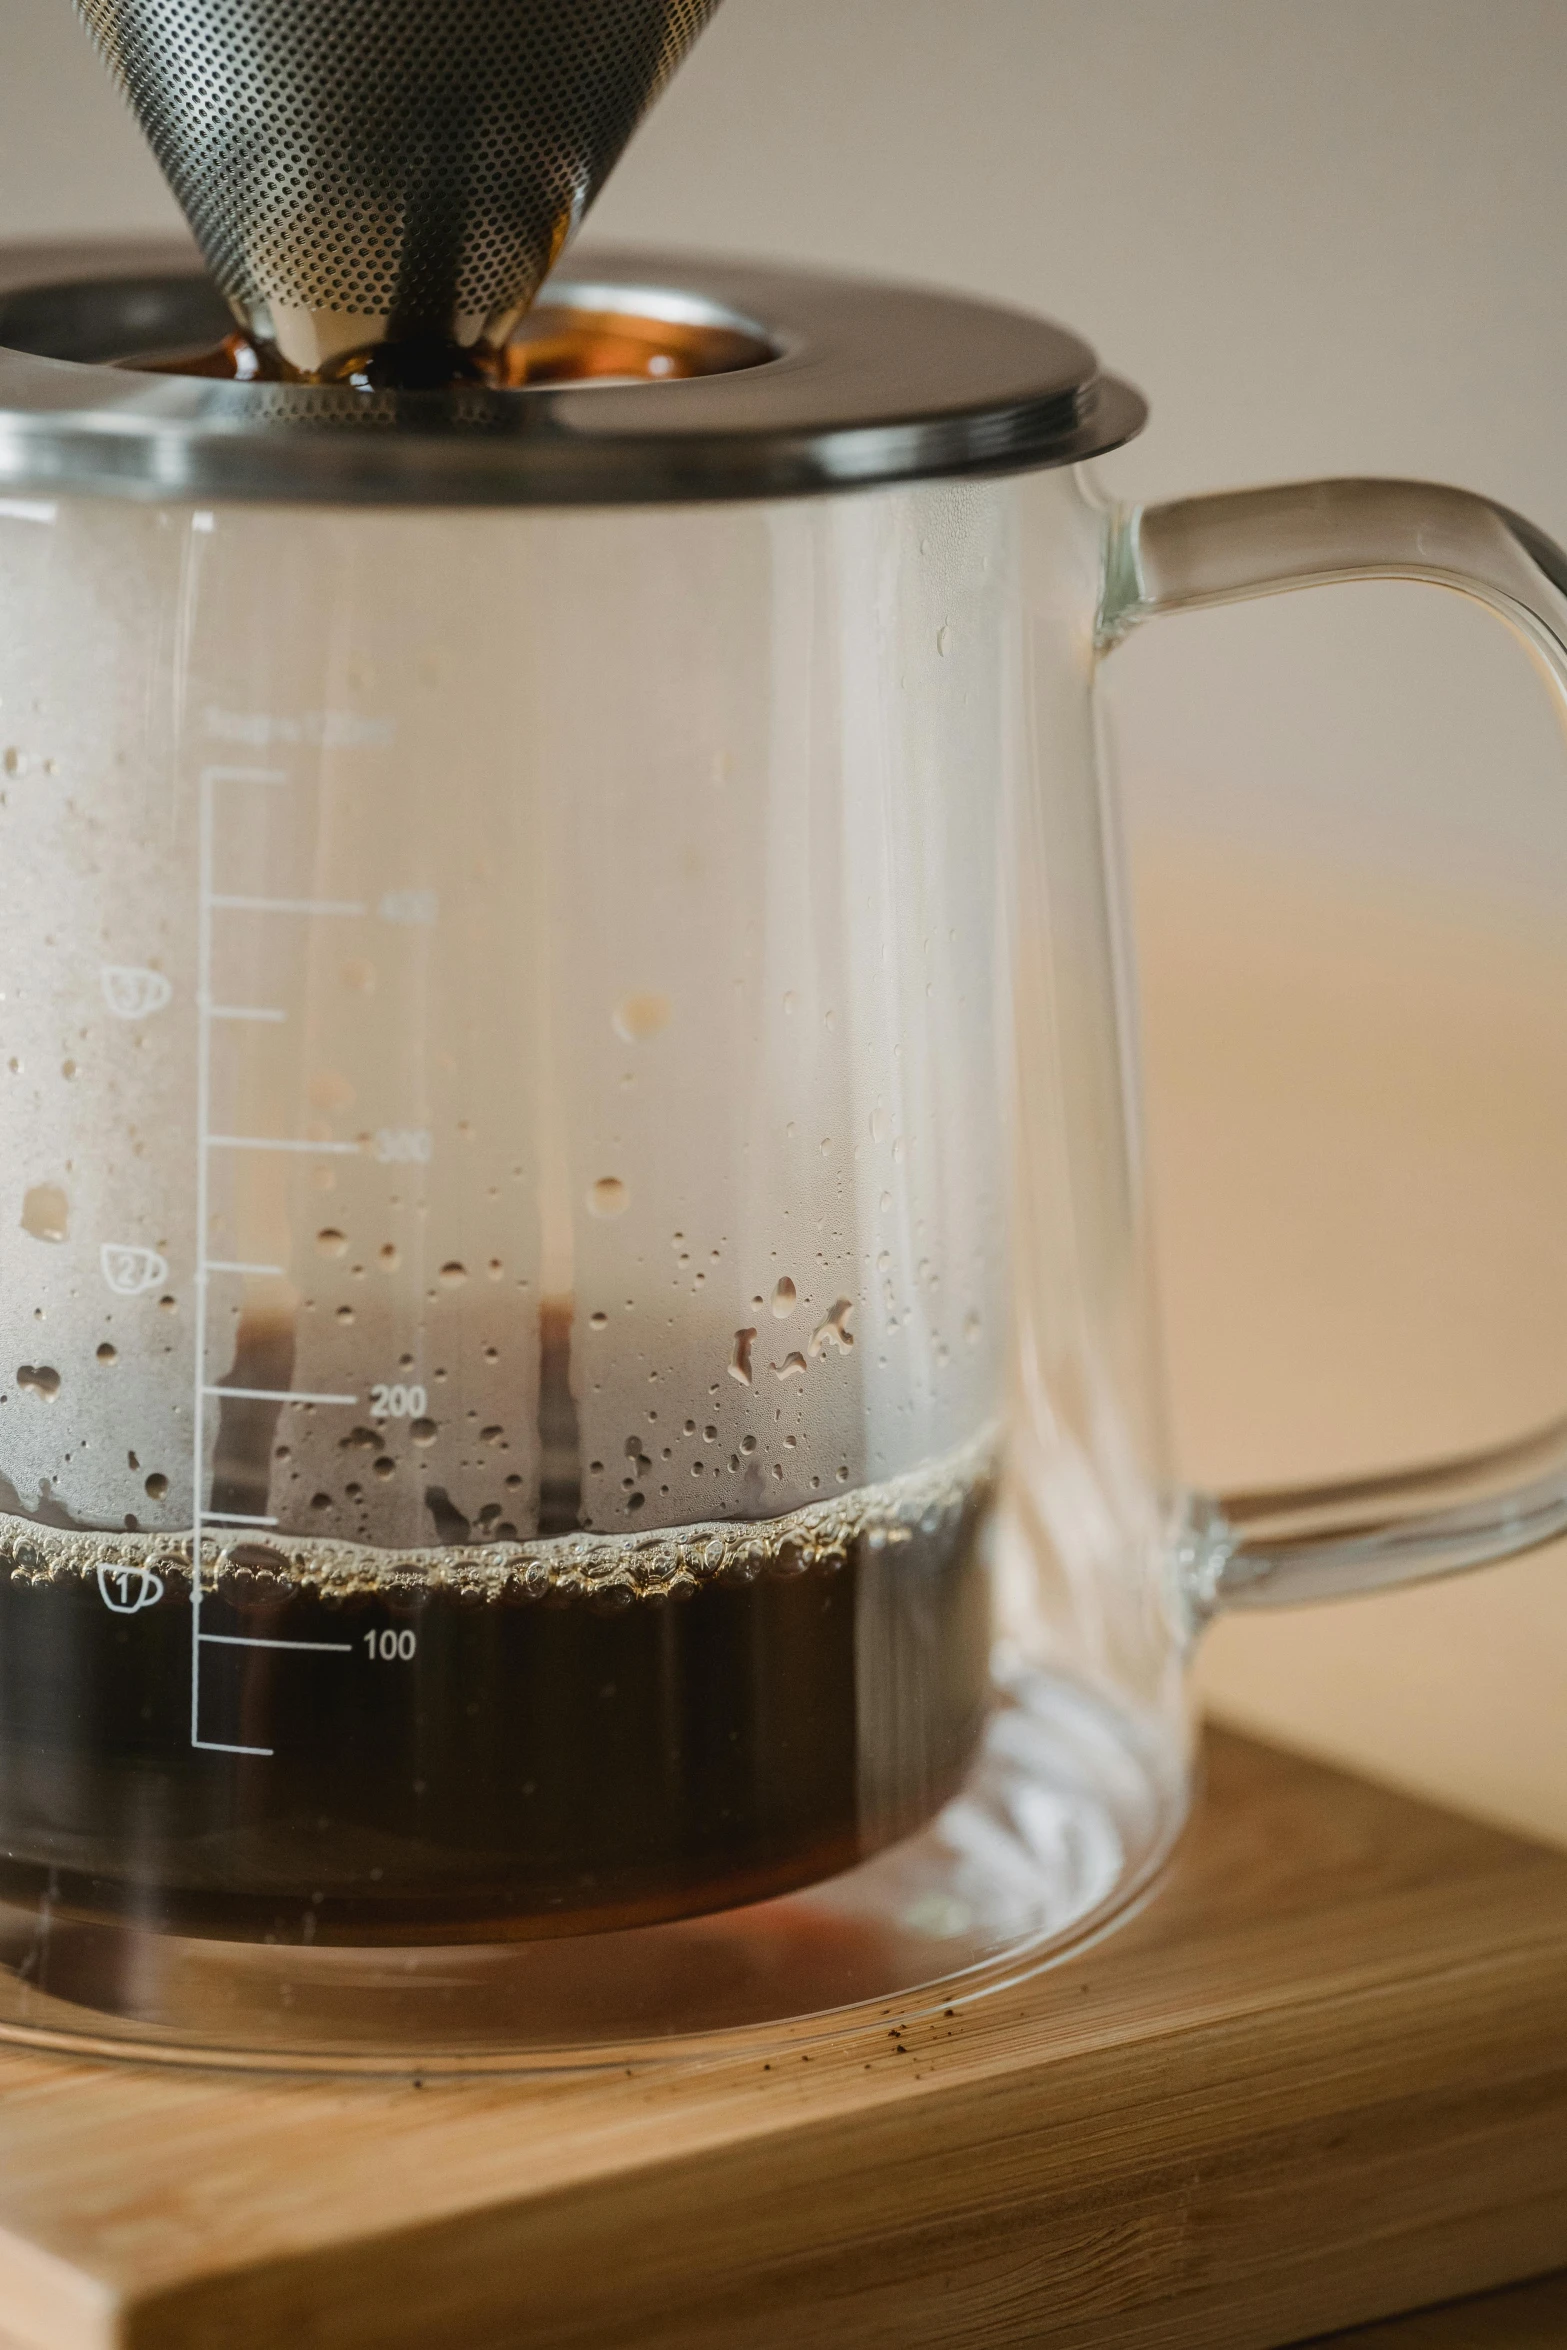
column 379, row 192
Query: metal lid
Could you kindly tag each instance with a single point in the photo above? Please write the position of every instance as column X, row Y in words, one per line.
column 800, row 382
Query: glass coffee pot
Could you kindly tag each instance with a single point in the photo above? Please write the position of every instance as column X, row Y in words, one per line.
column 580, row 1435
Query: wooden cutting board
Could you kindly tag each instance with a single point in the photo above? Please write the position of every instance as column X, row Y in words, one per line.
column 1320, row 2078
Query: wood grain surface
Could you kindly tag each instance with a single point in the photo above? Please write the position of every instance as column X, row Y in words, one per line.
column 1322, row 2077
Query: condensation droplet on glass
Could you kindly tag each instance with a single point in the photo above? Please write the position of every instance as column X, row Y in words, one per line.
column 46, row 1212
column 39, row 1379
column 885, row 1203
column 67, row 1068
column 884, row 1262
column 788, row 1002
column 330, row 1091
column 785, row 1298
column 826, row 1144
column 156, row 1486
column 897, row 1151
column 835, row 1330
column 330, row 1241
column 944, row 640
column 637, row 1017
column 423, row 1431
column 495, row 1269
column 453, row 1274
column 598, row 1321
column 878, row 1124
column 740, row 1360
column 108, row 1353
column 608, row 1197
column 792, row 1367
column 971, row 1328
column 388, row 1256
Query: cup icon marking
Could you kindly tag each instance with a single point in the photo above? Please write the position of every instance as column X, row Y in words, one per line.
column 126, row 1589
column 130, row 1270
column 132, row 992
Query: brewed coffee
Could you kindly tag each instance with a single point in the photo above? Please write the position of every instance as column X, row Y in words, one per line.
column 487, row 1741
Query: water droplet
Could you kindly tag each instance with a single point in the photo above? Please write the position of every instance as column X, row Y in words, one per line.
column 897, row 1151
column 785, row 1299
column 168, row 1305
column 423, row 1431
column 453, row 1274
column 878, row 1124
column 491, row 1435
column 835, row 1330
column 330, row 1241
column 46, row 1212
column 748, row 1444
column 385, row 1466
column 637, row 1017
column 495, row 1269
column 388, row 1256
column 157, row 1485
column 826, row 1144
column 598, row 1321
column 608, row 1197
column 108, row 1353
column 884, row 1262
column 971, row 1328
column 345, row 1313
column 67, row 1068
column 792, row 1367
column 330, row 1091
column 41, row 1379
column 711, row 1433
column 944, row 640
column 740, row 1360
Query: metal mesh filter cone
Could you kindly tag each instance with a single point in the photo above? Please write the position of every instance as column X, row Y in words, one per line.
column 367, row 171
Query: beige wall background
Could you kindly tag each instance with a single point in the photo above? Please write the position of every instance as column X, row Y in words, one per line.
column 1324, row 236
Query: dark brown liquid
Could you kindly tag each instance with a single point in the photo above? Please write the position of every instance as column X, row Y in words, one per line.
column 530, row 1739
column 552, row 346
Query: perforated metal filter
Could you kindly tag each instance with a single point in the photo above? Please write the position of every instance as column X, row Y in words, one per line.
column 362, row 172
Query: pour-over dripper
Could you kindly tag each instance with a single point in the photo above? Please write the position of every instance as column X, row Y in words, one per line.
column 387, row 173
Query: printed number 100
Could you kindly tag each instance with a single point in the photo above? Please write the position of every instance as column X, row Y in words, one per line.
column 388, row 1648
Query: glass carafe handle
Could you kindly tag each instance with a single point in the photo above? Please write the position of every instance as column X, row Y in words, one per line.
column 1306, row 1542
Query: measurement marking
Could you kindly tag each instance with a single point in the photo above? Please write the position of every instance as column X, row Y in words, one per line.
column 211, row 775
column 243, row 1012
column 235, row 1518
column 275, row 1395
column 232, row 1265
column 216, row 1745
column 279, row 1142
column 233, row 905
column 247, row 1640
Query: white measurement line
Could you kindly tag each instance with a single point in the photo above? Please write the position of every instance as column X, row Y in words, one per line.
column 216, row 1746
column 277, row 1395
column 238, row 905
column 235, row 1518
column 279, row 1142
column 244, row 1012
column 245, row 1640
column 233, row 1265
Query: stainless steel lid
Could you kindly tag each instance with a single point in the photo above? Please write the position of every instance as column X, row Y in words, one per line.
column 801, row 382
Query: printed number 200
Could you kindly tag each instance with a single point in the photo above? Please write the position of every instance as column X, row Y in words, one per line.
column 397, row 1402
column 389, row 1648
